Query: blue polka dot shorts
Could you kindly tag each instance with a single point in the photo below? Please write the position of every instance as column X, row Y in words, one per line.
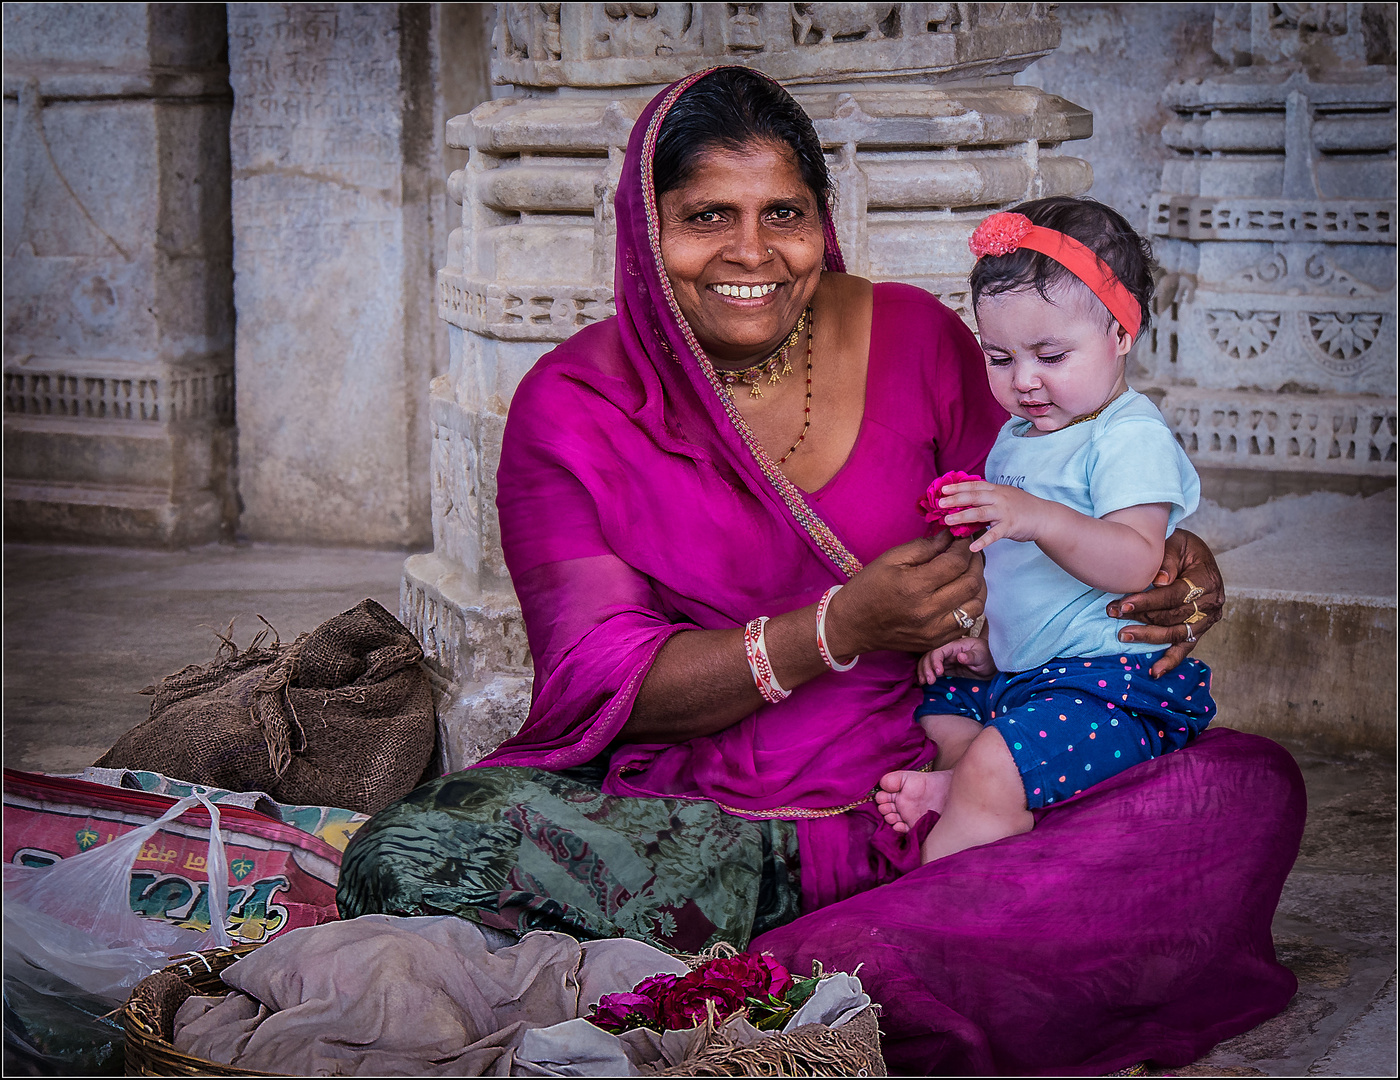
column 1073, row 722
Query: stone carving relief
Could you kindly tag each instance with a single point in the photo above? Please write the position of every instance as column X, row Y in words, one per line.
column 609, row 44
column 1275, row 225
column 1242, row 335
column 1263, row 33
column 1319, row 275
column 142, row 399
column 1341, row 340
column 532, row 31
column 822, row 24
column 1301, row 432
column 1356, row 221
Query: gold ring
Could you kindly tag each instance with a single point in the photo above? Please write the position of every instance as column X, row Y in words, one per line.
column 1196, row 591
column 966, row 621
column 1195, row 617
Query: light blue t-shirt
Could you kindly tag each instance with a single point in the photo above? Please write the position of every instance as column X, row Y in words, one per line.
column 1125, row 457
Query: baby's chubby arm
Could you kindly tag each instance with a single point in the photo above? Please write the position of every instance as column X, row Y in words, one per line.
column 1120, row 552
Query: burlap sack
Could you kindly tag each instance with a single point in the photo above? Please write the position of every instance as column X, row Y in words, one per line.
column 343, row 716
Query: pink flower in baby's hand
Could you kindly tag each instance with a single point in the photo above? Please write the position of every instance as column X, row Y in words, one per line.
column 934, row 514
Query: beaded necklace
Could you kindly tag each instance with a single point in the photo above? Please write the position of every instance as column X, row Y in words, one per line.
column 750, row 376
column 806, row 405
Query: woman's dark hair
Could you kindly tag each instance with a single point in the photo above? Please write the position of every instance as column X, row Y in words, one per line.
column 731, row 108
column 1100, row 228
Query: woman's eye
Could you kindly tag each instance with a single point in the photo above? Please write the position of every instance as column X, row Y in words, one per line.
column 708, row 217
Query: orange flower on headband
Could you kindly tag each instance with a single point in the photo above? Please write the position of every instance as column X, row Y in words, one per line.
column 1000, row 234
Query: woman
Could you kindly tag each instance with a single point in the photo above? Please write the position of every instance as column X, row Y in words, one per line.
column 754, row 428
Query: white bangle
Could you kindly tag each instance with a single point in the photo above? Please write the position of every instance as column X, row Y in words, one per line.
column 756, row 650
column 822, row 646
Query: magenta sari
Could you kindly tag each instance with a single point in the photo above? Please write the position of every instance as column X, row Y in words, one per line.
column 1132, row 923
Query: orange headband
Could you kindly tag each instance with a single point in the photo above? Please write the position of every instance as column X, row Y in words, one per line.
column 1004, row 233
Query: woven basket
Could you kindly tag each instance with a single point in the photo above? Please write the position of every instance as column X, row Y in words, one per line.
column 149, row 1015
column 149, row 1020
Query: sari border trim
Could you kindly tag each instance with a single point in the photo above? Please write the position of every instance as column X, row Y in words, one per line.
column 796, row 813
column 820, row 532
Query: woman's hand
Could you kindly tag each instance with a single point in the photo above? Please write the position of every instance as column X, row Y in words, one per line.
column 1164, row 609
column 700, row 681
column 905, row 599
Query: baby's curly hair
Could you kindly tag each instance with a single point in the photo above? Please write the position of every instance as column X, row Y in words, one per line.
column 1100, row 228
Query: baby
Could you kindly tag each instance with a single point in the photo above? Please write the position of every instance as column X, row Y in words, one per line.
column 1086, row 484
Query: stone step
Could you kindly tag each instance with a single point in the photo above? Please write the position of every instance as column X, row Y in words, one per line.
column 1306, row 651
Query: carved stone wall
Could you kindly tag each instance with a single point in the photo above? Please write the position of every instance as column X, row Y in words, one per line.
column 924, row 133
column 335, row 149
column 118, row 287
column 1276, row 344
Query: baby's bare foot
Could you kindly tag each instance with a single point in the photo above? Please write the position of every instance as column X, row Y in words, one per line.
column 904, row 797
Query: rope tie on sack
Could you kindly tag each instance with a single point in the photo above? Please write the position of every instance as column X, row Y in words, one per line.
column 272, row 708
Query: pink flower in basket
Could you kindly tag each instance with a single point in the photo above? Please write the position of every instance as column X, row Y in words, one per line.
column 618, row 1012
column 664, row 1002
column 935, row 514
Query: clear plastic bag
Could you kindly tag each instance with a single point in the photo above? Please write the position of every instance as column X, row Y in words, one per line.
column 72, row 923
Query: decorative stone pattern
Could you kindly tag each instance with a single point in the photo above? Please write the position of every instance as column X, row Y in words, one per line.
column 608, row 45
column 333, row 155
column 1275, row 225
column 118, row 356
column 1319, row 433
column 916, row 164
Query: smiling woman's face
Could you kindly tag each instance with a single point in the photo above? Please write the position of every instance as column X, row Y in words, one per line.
column 717, row 232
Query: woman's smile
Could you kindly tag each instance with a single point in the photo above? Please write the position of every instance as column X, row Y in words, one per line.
column 745, row 292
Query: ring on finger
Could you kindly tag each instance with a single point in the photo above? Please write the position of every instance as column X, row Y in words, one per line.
column 1195, row 593
column 1190, row 633
column 1196, row 616
column 966, row 621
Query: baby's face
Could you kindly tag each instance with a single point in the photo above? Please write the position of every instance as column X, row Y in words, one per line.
column 1052, row 362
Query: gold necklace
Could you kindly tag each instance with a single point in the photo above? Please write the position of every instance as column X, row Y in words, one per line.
column 750, row 376
column 1095, row 414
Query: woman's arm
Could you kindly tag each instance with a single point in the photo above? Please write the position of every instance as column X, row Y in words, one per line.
column 1186, row 562
column 700, row 681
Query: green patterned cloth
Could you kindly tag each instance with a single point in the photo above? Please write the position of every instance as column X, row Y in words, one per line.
column 525, row 849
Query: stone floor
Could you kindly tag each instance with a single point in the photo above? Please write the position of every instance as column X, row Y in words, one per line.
column 86, row 627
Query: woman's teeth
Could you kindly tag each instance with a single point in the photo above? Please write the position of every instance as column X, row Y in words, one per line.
column 745, row 292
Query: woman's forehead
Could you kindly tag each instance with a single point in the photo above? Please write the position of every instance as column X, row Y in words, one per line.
column 757, row 165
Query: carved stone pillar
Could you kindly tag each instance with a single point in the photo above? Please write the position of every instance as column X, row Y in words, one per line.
column 118, row 278
column 1275, row 350
column 925, row 135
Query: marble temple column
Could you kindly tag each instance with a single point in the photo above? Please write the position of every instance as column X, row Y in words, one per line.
column 924, row 132
column 1275, row 353
column 118, row 420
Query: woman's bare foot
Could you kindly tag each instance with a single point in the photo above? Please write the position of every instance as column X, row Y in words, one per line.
column 904, row 797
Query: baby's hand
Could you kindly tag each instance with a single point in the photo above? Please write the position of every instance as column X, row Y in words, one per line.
column 969, row 653
column 1007, row 511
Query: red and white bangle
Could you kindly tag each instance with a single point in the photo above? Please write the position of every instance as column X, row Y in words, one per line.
column 822, row 646
column 756, row 649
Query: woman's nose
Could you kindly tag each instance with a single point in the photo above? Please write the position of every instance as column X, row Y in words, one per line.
column 748, row 248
